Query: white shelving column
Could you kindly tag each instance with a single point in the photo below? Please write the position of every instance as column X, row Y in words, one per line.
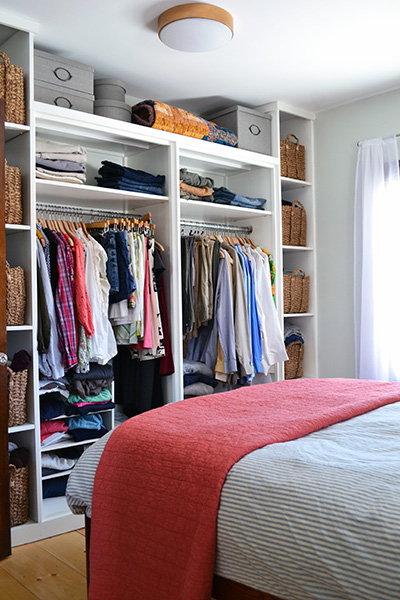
column 288, row 119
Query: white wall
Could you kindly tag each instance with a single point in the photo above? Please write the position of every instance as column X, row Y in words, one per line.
column 337, row 132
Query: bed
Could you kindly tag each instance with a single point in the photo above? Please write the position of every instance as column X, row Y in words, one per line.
column 312, row 518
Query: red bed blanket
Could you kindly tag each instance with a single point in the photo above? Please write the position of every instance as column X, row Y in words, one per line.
column 158, row 484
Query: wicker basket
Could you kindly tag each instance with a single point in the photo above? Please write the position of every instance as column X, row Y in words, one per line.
column 13, row 195
column 294, row 366
column 16, row 297
column 12, row 90
column 293, row 158
column 18, row 495
column 296, row 292
column 294, row 224
column 17, row 382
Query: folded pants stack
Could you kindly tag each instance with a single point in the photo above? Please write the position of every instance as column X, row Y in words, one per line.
column 119, row 177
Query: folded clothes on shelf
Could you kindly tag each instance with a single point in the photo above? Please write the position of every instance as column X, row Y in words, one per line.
column 60, row 162
column 224, row 196
column 85, row 408
column 55, row 151
column 104, row 395
column 117, row 176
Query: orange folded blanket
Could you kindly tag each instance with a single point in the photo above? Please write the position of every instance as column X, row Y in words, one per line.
column 158, row 484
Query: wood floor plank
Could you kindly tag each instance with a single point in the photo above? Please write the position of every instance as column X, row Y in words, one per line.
column 68, row 548
column 81, row 531
column 44, row 575
column 11, row 589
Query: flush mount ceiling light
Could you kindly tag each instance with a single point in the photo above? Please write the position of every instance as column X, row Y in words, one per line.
column 195, row 27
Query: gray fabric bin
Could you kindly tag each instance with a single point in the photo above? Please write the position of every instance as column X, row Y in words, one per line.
column 60, row 96
column 252, row 128
column 109, row 89
column 49, row 68
column 113, row 109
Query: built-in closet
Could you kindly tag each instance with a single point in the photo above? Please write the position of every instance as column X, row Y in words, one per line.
column 247, row 173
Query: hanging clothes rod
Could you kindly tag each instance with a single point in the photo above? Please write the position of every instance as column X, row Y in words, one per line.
column 80, row 212
column 396, row 135
column 216, row 227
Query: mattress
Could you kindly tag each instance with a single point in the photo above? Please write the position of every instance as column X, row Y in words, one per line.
column 311, row 519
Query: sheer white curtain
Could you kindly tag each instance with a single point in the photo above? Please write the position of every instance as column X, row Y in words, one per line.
column 377, row 261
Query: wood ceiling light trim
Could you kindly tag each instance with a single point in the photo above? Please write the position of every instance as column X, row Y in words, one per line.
column 197, row 11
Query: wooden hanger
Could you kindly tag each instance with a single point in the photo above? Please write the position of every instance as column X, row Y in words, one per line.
column 99, row 224
column 83, row 227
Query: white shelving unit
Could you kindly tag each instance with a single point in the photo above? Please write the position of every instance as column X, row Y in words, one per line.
column 288, row 119
column 248, row 173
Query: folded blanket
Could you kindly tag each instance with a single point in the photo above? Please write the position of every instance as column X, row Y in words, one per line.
column 67, row 178
column 52, row 150
column 157, row 486
column 60, row 165
column 151, row 113
column 51, row 174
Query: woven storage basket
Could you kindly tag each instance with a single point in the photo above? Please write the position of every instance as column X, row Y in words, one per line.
column 296, row 292
column 13, row 195
column 294, row 366
column 18, row 495
column 294, row 224
column 293, row 158
column 17, row 382
column 12, row 90
column 16, row 297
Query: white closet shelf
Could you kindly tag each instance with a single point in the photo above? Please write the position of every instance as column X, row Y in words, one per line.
column 66, row 444
column 221, row 213
column 11, row 228
column 293, row 184
column 290, row 315
column 12, row 130
column 91, row 196
column 19, row 328
column 24, row 427
column 297, row 248
column 56, row 475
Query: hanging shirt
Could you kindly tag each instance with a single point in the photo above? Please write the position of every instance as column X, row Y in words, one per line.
column 103, row 342
column 272, row 336
column 65, row 302
column 51, row 363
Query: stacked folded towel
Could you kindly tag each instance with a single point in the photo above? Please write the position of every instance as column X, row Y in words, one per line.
column 60, row 162
column 195, row 187
column 119, row 177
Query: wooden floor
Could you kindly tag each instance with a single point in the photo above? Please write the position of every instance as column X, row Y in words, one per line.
column 51, row 569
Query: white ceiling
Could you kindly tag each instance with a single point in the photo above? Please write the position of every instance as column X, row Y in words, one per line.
column 313, row 54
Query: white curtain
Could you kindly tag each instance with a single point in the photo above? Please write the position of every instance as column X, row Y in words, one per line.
column 377, row 261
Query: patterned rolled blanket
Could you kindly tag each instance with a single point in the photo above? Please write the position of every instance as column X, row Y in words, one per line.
column 152, row 113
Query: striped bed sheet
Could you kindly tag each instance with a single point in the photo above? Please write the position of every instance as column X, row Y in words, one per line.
column 316, row 518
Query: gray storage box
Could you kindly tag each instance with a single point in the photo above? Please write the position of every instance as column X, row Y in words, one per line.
column 252, row 128
column 113, row 109
column 53, row 69
column 60, row 96
column 109, row 89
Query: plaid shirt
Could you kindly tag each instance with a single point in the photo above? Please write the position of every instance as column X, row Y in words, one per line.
column 65, row 303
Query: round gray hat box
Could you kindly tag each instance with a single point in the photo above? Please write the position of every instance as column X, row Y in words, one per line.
column 109, row 89
column 113, row 109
